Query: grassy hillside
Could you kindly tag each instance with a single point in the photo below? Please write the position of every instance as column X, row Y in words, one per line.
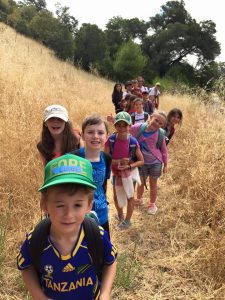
column 176, row 254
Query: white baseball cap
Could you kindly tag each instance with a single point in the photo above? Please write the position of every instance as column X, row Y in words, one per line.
column 56, row 111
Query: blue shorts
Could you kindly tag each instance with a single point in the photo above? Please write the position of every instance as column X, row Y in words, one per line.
column 154, row 170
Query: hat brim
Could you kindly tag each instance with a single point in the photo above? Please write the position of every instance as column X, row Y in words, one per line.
column 67, row 178
column 129, row 123
column 59, row 116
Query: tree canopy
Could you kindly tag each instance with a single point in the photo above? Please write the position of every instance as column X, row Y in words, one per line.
column 161, row 46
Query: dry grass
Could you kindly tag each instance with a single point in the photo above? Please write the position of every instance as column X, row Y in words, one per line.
column 177, row 254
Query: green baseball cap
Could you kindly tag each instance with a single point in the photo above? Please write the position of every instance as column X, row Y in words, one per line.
column 123, row 116
column 68, row 168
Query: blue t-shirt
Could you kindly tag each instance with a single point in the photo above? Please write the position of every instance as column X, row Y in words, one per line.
column 70, row 277
column 100, row 205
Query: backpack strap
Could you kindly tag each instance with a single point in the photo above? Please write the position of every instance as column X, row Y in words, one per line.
column 94, row 244
column 161, row 136
column 146, row 116
column 76, row 152
column 133, row 118
column 40, row 234
column 141, row 129
column 108, row 161
column 132, row 142
column 112, row 140
column 37, row 243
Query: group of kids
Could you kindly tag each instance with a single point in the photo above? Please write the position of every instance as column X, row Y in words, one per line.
column 69, row 255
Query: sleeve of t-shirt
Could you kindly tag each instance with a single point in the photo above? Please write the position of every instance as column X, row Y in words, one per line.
column 110, row 252
column 134, row 129
column 23, row 258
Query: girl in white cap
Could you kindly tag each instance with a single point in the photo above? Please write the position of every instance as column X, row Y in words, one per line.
column 57, row 136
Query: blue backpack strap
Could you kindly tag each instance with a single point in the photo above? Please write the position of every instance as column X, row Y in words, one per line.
column 141, row 129
column 161, row 136
column 112, row 140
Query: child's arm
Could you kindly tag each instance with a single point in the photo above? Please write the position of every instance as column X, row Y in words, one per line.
column 110, row 118
column 107, row 149
column 31, row 281
column 140, row 159
column 109, row 273
column 164, row 155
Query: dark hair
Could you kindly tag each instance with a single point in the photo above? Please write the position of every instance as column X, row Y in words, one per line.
column 46, row 145
column 114, row 89
column 93, row 120
column 69, row 189
column 173, row 112
column 132, row 98
column 127, row 97
column 140, row 78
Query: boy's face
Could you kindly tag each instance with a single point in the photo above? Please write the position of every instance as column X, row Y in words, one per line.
column 138, row 106
column 122, row 128
column 145, row 97
column 129, row 87
column 66, row 212
column 95, row 136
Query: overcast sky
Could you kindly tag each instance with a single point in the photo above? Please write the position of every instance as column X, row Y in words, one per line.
column 100, row 11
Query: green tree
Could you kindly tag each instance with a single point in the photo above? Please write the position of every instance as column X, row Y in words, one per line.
column 6, row 8
column 66, row 19
column 90, row 46
column 176, row 35
column 129, row 61
column 119, row 30
column 39, row 4
column 53, row 34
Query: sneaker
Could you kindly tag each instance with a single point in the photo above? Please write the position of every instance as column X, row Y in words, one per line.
column 125, row 224
column 152, row 209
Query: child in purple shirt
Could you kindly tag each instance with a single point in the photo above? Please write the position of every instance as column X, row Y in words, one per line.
column 154, row 157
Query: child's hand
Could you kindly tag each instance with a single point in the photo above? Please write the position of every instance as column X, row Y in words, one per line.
column 165, row 169
column 110, row 118
column 123, row 164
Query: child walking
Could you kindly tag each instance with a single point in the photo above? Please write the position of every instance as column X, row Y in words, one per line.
column 117, row 95
column 126, row 155
column 94, row 134
column 57, row 136
column 147, row 104
column 66, row 269
column 174, row 118
column 155, row 156
column 139, row 116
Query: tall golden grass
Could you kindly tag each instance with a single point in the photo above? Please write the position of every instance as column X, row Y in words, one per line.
column 179, row 253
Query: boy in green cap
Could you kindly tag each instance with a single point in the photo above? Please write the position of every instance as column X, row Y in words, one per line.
column 67, row 270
